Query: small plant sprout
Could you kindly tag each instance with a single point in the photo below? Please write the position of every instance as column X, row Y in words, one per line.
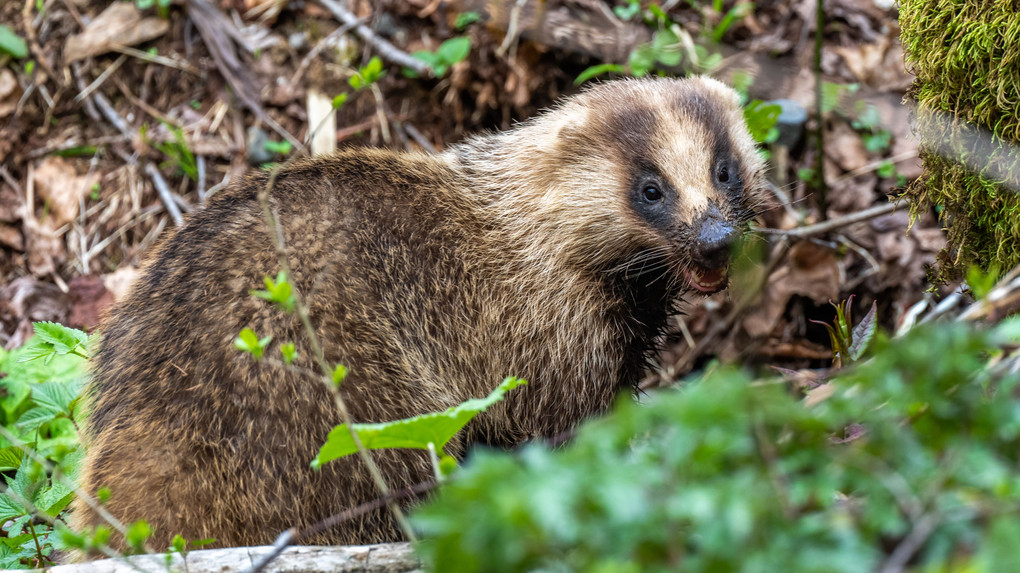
column 339, row 373
column 849, row 342
column 249, row 342
column 367, row 74
column 289, row 352
column 137, row 534
column 279, row 292
column 446, row 55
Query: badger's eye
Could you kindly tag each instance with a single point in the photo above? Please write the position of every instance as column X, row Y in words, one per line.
column 722, row 173
column 651, row 193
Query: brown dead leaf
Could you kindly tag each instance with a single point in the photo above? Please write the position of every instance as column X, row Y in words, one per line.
column 864, row 59
column 845, row 147
column 11, row 237
column 121, row 24
column 10, row 92
column 820, row 394
column 26, row 300
column 119, row 281
column 44, row 247
column 58, row 184
column 813, row 272
column 930, row 240
column 89, row 300
column 11, row 205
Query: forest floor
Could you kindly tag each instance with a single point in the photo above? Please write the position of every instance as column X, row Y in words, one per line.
column 117, row 99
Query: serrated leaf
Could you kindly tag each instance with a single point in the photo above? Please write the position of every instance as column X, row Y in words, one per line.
column 10, row 458
column 416, row 432
column 54, row 499
column 63, row 339
column 57, row 396
column 10, row 508
column 34, row 418
column 36, row 349
column 863, row 333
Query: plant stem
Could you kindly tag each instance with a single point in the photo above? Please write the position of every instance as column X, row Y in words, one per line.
column 820, row 127
column 276, row 235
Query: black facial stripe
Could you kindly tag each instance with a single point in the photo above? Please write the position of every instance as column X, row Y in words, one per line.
column 635, row 129
column 658, row 214
column 714, row 118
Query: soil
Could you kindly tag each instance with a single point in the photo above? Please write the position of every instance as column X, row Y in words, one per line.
column 81, row 140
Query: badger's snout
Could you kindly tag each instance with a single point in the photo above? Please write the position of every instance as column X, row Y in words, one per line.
column 710, row 252
column 715, row 235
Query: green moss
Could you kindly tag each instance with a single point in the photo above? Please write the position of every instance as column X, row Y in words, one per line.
column 965, row 55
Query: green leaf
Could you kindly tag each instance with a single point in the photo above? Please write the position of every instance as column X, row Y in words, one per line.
column 12, row 43
column 339, row 100
column 34, row 418
column 278, row 291
column 15, row 391
column 339, row 373
column 10, row 508
column 249, row 342
column 863, row 333
column 454, row 50
column 54, row 499
column 77, row 151
column 761, row 119
column 434, row 61
column 980, row 282
column 627, row 13
column 278, row 147
column 57, row 396
column 138, row 533
column 597, row 70
column 10, row 458
column 55, row 339
column 417, row 432
column 289, row 352
column 465, row 19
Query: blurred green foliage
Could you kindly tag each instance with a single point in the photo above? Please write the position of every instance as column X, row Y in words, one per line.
column 911, row 460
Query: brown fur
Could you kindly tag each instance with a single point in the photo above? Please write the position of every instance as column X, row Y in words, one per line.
column 432, row 278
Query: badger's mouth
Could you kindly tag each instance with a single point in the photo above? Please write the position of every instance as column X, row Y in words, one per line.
column 707, row 281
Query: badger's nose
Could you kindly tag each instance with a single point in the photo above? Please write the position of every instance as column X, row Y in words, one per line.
column 711, row 249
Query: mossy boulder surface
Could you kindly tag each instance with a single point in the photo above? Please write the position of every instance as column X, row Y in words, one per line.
column 966, row 59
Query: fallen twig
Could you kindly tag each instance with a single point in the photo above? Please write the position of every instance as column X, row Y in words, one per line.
column 832, row 224
column 164, row 193
column 293, row 535
column 386, row 50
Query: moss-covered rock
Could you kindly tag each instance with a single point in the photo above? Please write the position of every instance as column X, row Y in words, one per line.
column 965, row 55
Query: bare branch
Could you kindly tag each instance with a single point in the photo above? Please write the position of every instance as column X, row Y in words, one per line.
column 385, row 49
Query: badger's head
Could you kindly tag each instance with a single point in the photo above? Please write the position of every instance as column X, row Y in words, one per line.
column 684, row 173
column 646, row 180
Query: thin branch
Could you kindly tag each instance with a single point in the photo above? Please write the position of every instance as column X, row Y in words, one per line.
column 832, row 224
column 165, row 194
column 385, row 49
column 922, row 530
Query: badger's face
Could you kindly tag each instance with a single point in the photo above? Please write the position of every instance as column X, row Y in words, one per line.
column 691, row 175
